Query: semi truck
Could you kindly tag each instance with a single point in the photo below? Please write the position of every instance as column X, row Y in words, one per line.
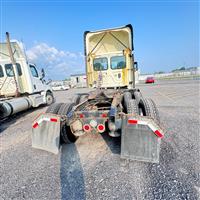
column 114, row 106
column 21, row 85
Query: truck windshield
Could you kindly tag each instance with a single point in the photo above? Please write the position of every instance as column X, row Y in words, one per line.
column 118, row 62
column 1, row 72
column 9, row 69
column 100, row 64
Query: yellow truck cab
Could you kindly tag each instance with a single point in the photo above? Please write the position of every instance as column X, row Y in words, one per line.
column 109, row 58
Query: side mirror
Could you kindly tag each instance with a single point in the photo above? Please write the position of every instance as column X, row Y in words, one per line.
column 135, row 66
column 43, row 73
column 49, row 81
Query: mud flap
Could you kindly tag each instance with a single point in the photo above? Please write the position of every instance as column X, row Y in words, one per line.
column 46, row 133
column 141, row 138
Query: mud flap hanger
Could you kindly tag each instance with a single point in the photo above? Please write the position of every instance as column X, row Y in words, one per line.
column 144, row 120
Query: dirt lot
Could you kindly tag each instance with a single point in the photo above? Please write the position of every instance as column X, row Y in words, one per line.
column 92, row 168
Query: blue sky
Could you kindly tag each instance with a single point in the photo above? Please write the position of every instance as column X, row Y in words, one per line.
column 166, row 34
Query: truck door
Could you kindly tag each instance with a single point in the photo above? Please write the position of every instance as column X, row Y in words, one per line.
column 7, row 83
column 38, row 85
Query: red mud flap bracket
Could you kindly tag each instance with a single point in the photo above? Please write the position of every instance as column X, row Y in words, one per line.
column 141, row 138
column 46, row 132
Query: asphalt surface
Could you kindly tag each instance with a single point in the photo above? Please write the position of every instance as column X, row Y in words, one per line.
column 92, row 168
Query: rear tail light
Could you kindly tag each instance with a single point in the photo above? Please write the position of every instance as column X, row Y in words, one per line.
column 101, row 128
column 87, row 128
column 104, row 115
column 81, row 116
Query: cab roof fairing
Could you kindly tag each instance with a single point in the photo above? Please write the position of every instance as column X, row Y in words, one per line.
column 89, row 34
column 16, row 48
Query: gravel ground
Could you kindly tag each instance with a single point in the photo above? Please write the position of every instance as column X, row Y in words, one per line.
column 92, row 168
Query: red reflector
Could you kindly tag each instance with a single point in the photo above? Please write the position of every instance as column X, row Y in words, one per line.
column 104, row 115
column 81, row 116
column 35, row 125
column 86, row 127
column 101, row 128
column 132, row 121
column 158, row 133
column 53, row 120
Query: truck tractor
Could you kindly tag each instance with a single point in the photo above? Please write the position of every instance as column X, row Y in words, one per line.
column 21, row 86
column 113, row 107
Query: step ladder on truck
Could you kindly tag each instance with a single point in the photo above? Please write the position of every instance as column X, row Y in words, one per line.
column 115, row 106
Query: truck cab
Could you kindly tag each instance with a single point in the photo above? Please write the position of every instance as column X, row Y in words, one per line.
column 28, row 79
column 21, row 86
column 109, row 58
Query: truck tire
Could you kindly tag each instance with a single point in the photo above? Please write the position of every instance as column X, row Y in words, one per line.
column 66, row 135
column 132, row 107
column 49, row 98
column 65, row 107
column 138, row 96
column 76, row 99
column 149, row 108
column 54, row 108
column 126, row 100
column 83, row 98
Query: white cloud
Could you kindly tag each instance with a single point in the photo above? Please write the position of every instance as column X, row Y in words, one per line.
column 58, row 64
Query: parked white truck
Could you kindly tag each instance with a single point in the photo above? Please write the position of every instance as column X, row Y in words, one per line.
column 21, row 86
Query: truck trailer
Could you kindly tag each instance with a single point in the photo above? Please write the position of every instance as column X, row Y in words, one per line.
column 21, row 86
column 113, row 107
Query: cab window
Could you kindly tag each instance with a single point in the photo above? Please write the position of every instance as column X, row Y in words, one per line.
column 100, row 64
column 10, row 72
column 19, row 69
column 118, row 62
column 33, row 71
column 1, row 72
